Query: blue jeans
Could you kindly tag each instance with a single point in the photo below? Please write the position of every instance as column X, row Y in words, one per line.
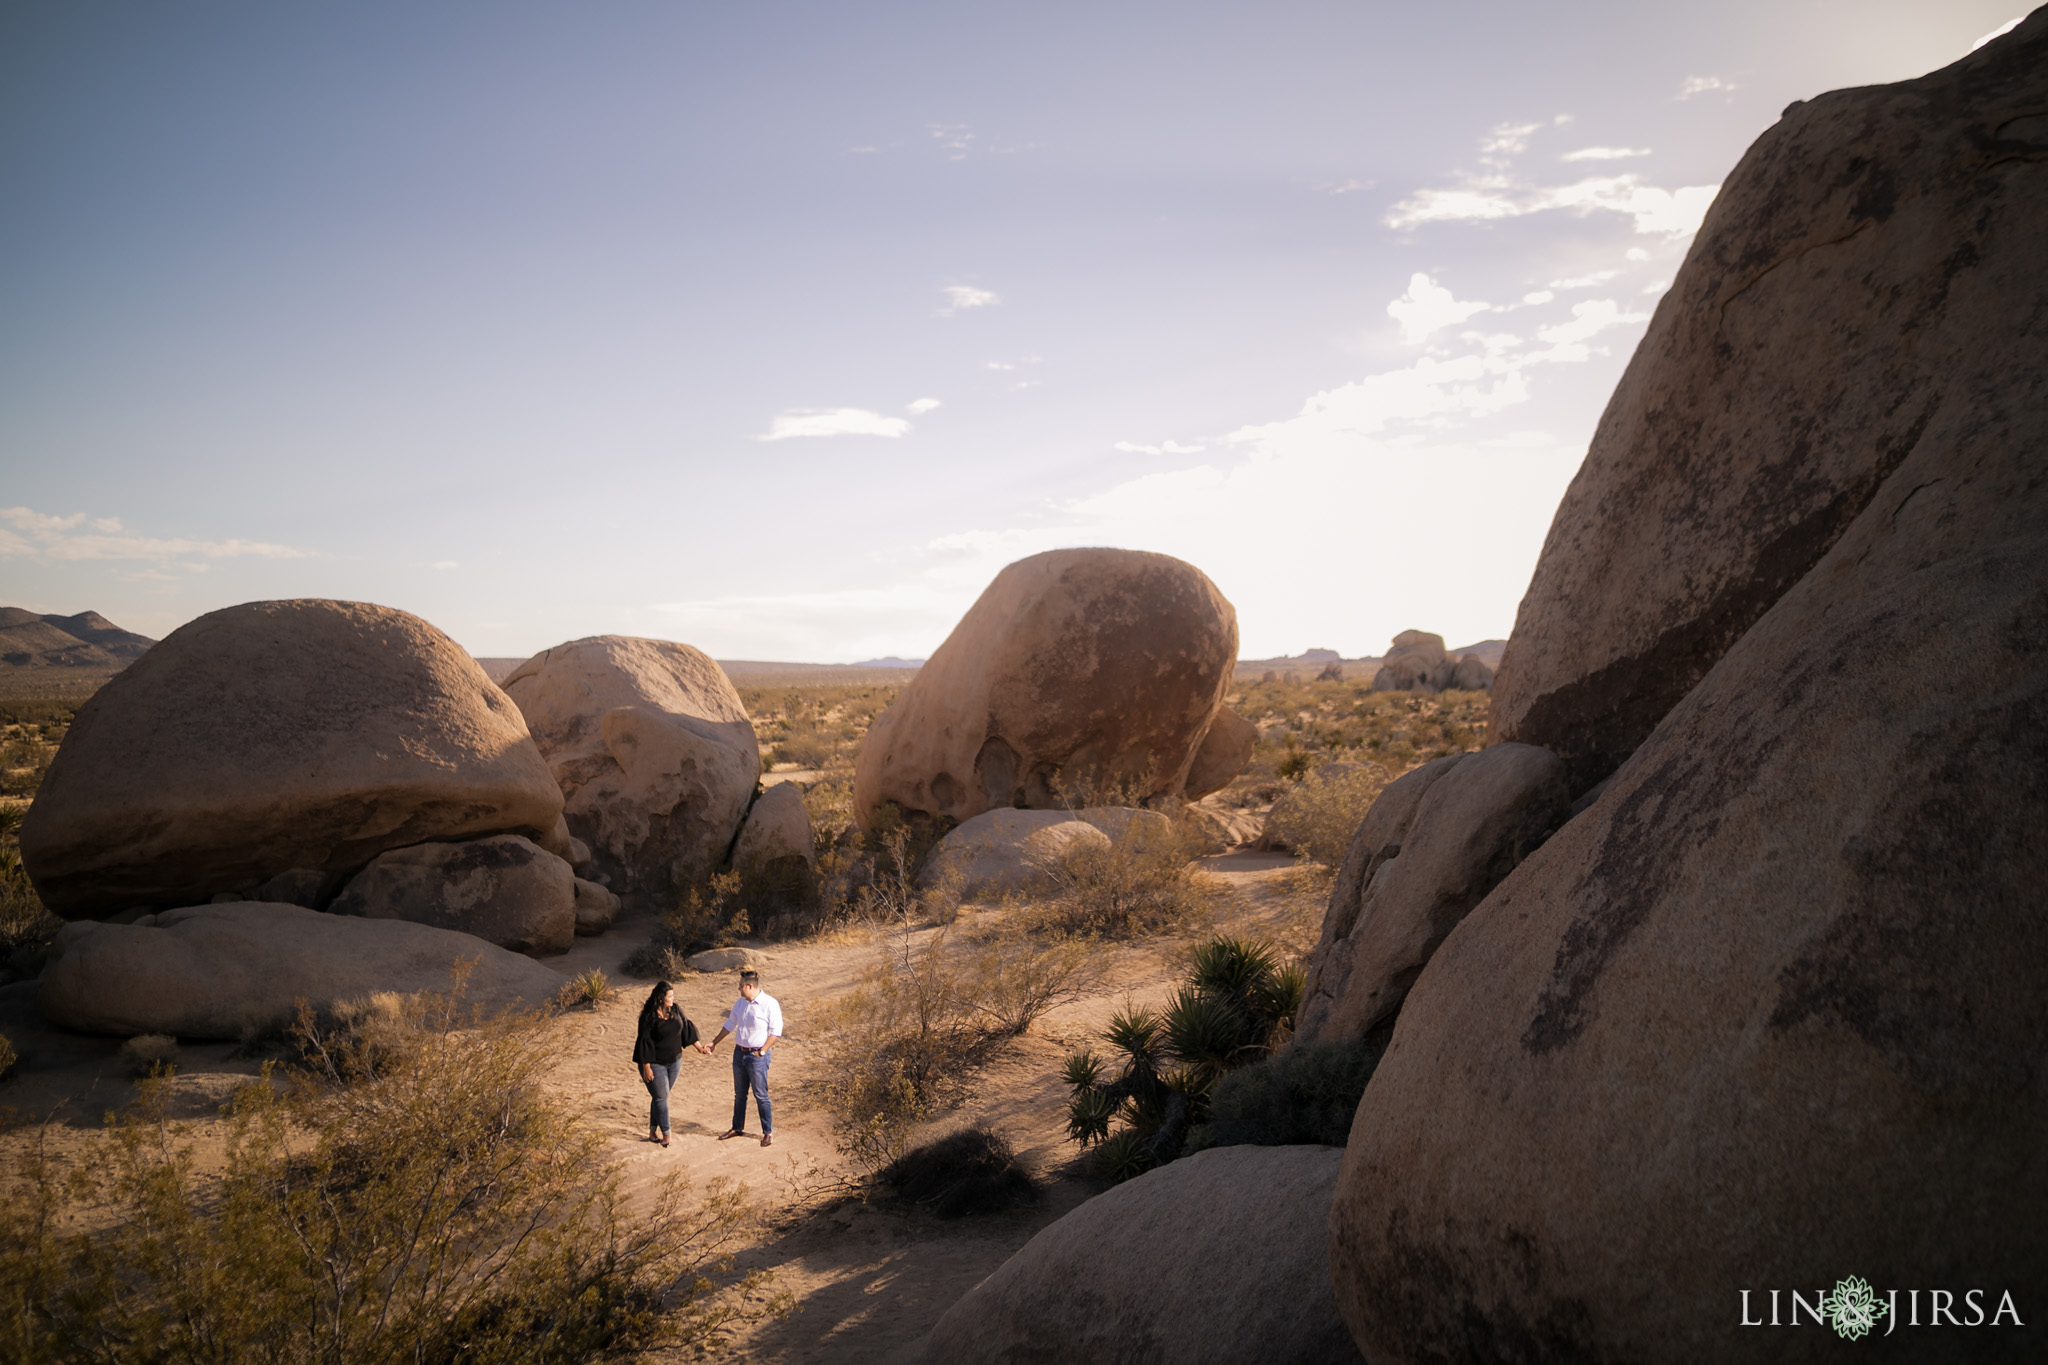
column 665, row 1074
column 750, row 1071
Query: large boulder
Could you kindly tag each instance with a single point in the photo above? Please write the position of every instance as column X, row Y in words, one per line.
column 1002, row 851
column 1214, row 1258
column 505, row 890
column 1415, row 663
column 1778, row 389
column 274, row 736
column 228, row 971
column 1222, row 754
column 1090, row 671
column 1471, row 674
column 654, row 753
column 777, row 827
column 596, row 907
column 1450, row 832
column 1768, row 1013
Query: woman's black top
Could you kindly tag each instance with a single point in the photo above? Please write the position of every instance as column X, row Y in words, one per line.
column 661, row 1040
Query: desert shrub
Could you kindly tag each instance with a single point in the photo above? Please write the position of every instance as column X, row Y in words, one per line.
column 25, row 756
column 971, row 1171
column 898, row 1047
column 1303, row 1094
column 1318, row 815
column 707, row 915
column 1236, row 1005
column 143, row 1053
column 1014, row 979
column 428, row 1203
column 589, row 988
column 1144, row 883
column 26, row 927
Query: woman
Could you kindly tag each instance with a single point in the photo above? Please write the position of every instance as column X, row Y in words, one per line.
column 658, row 1052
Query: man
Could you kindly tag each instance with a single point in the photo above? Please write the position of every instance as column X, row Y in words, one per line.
column 755, row 1023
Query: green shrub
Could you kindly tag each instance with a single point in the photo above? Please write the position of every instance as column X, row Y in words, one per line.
column 1318, row 815
column 1144, row 883
column 972, row 1171
column 1304, row 1094
column 1235, row 1006
column 25, row 926
column 423, row 1200
column 590, row 988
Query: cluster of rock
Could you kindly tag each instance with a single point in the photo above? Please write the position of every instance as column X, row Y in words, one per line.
column 1076, row 673
column 1417, row 662
column 1722, row 967
column 351, row 762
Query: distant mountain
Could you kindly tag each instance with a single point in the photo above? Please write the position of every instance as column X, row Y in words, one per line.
column 1488, row 650
column 85, row 641
column 890, row 662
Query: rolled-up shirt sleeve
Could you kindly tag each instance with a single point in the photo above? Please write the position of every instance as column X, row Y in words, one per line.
column 774, row 1018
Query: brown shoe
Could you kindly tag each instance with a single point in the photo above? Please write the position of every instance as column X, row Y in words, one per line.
column 732, row 1133
column 767, row 1139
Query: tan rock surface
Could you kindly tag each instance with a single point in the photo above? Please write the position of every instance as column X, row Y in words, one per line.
column 1007, row 850
column 1086, row 669
column 1213, row 1258
column 653, row 751
column 777, row 826
column 217, row 971
column 1222, row 754
column 277, row 735
column 1415, row 663
column 504, row 890
column 1803, row 353
column 1453, row 829
column 1769, row 1012
column 596, row 907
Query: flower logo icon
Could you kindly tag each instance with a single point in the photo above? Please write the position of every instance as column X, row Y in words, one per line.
column 1853, row 1308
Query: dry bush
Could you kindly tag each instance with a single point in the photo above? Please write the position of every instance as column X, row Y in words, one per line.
column 1305, row 724
column 1013, row 980
column 26, row 928
column 974, row 1170
column 1318, row 815
column 1143, row 883
column 421, row 1197
column 143, row 1053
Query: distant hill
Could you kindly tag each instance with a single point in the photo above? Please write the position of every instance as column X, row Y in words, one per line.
column 87, row 641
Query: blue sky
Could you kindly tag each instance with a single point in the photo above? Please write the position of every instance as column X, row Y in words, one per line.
column 779, row 328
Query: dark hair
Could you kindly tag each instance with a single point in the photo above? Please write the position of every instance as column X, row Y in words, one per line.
column 750, row 975
column 654, row 997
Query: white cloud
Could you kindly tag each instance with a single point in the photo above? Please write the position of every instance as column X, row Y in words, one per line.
column 1604, row 153
column 1347, row 186
column 1000, row 365
column 859, row 151
column 1163, row 448
column 1999, row 32
column 1520, row 440
column 1636, row 253
column 1427, row 308
column 38, row 535
column 446, row 564
column 832, row 422
column 954, row 139
column 1672, row 212
column 1656, row 286
column 1585, row 281
column 1701, row 85
column 963, row 296
column 1589, row 319
column 921, row 406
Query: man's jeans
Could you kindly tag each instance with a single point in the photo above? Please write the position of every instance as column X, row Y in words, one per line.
column 665, row 1074
column 750, row 1070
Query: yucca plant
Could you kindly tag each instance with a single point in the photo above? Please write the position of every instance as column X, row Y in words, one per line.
column 1236, row 1005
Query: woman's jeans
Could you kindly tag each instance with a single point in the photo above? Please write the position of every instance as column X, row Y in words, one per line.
column 750, row 1071
column 665, row 1074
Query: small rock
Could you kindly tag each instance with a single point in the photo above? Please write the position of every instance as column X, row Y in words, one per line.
column 726, row 960
column 596, row 908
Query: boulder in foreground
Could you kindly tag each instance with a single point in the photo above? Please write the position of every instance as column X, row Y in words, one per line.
column 1001, row 851
column 227, row 971
column 1084, row 672
column 272, row 736
column 1217, row 1258
column 1768, row 1012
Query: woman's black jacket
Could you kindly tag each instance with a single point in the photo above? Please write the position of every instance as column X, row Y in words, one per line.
column 661, row 1041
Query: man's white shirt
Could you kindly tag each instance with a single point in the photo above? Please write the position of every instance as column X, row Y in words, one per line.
column 753, row 1022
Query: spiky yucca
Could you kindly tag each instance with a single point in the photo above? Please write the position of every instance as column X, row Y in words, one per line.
column 1235, row 1006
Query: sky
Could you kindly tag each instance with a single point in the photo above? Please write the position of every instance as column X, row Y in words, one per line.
column 779, row 328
